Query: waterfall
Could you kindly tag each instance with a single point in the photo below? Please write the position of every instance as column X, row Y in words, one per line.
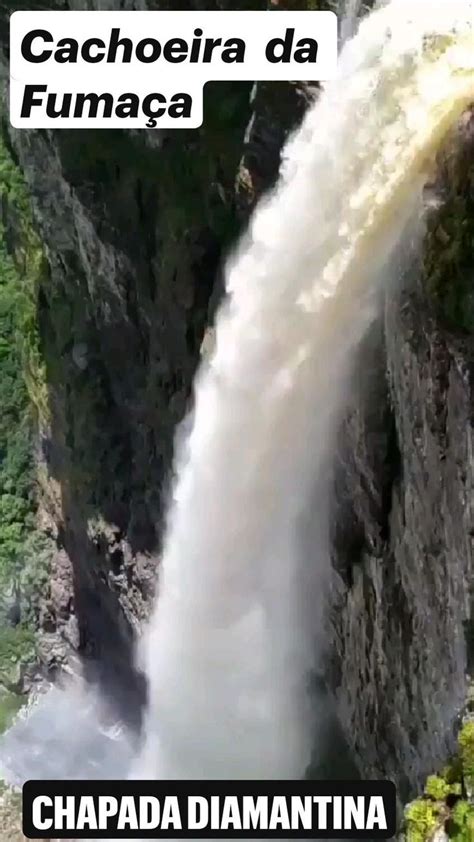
column 229, row 648
column 238, row 622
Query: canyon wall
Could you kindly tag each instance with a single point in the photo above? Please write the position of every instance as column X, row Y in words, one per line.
column 135, row 226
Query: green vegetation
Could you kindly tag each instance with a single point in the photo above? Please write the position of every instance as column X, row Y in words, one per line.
column 447, row 799
column 422, row 818
column 22, row 267
column 10, row 704
column 17, row 647
column 23, row 554
column 439, row 788
column 466, row 745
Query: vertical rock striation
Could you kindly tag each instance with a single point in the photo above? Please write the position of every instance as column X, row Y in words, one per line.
column 403, row 528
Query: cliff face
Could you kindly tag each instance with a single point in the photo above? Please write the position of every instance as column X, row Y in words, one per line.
column 403, row 529
column 134, row 228
column 405, row 513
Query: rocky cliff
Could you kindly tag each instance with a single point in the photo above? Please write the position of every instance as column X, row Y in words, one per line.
column 134, row 228
column 404, row 519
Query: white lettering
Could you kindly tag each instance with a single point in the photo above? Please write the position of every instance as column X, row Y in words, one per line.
column 86, row 817
column 279, row 814
column 38, row 821
column 127, row 817
column 322, row 801
column 171, row 815
column 198, row 812
column 64, row 815
column 255, row 812
column 376, row 814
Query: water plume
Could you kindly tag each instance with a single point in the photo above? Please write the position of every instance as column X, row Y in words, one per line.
column 238, row 622
column 229, row 648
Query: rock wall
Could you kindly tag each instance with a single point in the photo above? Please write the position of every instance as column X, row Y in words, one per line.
column 403, row 526
column 135, row 226
column 404, row 536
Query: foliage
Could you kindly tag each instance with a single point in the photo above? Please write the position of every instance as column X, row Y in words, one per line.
column 16, row 469
column 10, row 704
column 22, row 266
column 421, row 819
column 446, row 799
column 17, row 648
column 466, row 745
column 21, row 545
column 438, row 788
column 462, row 825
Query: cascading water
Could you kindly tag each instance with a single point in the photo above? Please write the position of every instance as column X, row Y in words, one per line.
column 229, row 648
column 238, row 619
column 350, row 12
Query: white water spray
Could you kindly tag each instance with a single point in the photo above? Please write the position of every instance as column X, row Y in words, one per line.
column 238, row 620
column 350, row 13
column 228, row 649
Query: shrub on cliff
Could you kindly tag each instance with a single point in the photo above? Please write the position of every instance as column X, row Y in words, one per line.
column 446, row 804
column 20, row 262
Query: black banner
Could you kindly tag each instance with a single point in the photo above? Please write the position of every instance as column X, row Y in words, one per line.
column 209, row 809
